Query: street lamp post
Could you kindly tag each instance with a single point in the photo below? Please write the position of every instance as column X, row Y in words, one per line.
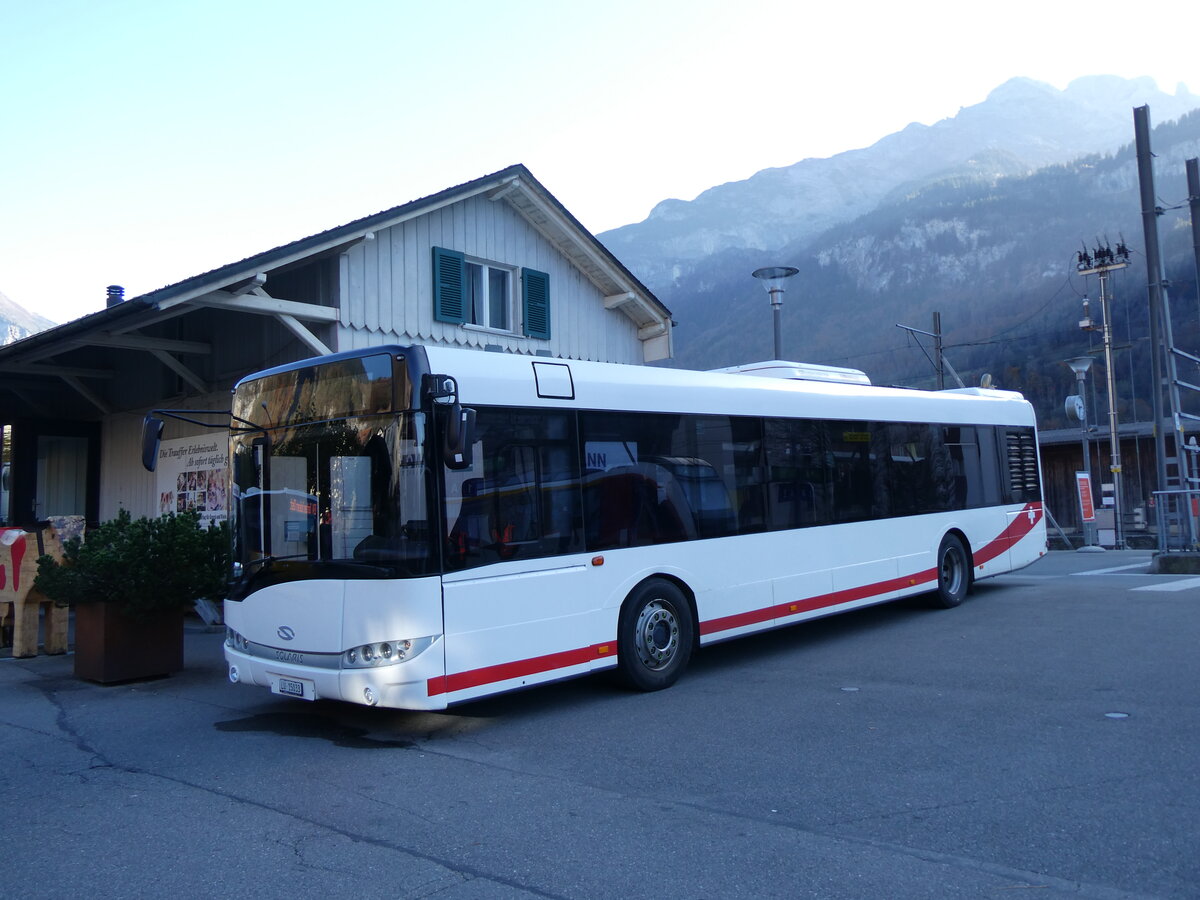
column 1080, row 365
column 773, row 278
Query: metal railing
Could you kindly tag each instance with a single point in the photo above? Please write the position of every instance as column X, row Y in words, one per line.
column 1177, row 514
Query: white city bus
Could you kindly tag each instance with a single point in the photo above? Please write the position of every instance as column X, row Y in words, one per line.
column 420, row 526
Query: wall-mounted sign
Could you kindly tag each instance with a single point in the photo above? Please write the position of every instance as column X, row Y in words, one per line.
column 193, row 473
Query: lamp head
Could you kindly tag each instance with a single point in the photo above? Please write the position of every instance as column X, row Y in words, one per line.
column 773, row 277
column 1080, row 365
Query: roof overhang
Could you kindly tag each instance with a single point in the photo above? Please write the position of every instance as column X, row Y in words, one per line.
column 238, row 288
column 515, row 186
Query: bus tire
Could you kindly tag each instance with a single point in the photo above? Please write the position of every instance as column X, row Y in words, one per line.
column 953, row 572
column 655, row 634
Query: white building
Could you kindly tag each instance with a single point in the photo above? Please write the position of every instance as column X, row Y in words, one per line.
column 495, row 264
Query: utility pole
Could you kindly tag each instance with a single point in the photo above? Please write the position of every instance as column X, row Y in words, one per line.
column 1176, row 521
column 1161, row 336
column 937, row 351
column 1150, row 212
column 1193, row 183
column 938, row 360
column 1102, row 262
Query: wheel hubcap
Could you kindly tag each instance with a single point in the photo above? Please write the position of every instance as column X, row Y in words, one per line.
column 952, row 571
column 657, row 634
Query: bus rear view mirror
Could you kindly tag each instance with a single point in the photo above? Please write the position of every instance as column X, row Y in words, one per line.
column 152, row 429
column 457, row 452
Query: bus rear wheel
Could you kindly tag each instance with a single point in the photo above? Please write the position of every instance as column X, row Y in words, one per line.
column 953, row 572
column 655, row 634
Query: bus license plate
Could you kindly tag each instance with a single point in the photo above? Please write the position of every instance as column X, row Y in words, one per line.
column 295, row 687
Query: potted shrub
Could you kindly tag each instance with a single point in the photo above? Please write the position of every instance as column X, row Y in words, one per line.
column 130, row 583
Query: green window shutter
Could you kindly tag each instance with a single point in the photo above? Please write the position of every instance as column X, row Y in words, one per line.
column 449, row 281
column 536, row 298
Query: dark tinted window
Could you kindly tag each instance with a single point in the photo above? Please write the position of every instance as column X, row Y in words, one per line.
column 799, row 459
column 521, row 498
column 651, row 479
column 916, row 470
column 636, row 479
column 824, row 472
column 858, row 485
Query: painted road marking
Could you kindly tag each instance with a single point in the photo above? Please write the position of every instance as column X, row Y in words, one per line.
column 1141, row 565
column 1183, row 585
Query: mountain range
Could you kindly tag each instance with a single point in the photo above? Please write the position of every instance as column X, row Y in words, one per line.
column 977, row 217
column 1023, row 125
column 17, row 322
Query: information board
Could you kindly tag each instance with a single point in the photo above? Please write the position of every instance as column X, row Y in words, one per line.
column 193, row 473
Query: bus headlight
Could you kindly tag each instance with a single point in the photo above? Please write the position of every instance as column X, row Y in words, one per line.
column 235, row 641
column 384, row 653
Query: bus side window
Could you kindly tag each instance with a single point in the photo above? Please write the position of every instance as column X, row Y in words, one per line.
column 962, row 478
column 911, row 465
column 852, row 482
column 798, row 471
column 520, row 497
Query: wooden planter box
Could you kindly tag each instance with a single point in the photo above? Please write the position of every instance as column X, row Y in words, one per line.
column 110, row 647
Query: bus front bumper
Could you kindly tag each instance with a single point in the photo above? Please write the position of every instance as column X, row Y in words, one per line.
column 403, row 685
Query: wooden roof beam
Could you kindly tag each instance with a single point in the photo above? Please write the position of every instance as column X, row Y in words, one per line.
column 131, row 341
column 181, row 370
column 306, row 337
column 87, row 394
column 262, row 305
column 59, row 371
column 248, row 285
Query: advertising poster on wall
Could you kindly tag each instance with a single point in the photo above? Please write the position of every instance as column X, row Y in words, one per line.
column 193, row 474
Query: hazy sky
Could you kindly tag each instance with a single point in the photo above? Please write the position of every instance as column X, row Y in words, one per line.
column 146, row 141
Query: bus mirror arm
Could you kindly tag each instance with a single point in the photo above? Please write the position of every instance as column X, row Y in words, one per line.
column 460, row 437
column 152, row 428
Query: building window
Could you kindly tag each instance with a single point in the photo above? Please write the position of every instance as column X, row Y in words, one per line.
column 489, row 295
column 479, row 292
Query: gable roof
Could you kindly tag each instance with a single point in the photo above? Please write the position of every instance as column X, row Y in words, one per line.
column 69, row 356
column 515, row 184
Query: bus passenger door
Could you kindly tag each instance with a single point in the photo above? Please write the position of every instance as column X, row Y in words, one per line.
column 518, row 625
column 515, row 600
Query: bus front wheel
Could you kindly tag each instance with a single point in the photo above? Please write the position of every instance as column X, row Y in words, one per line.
column 953, row 572
column 655, row 634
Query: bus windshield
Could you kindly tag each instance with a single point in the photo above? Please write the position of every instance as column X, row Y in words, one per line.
column 342, row 493
column 320, row 492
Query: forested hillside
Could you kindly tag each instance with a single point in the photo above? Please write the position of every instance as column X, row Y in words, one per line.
column 995, row 255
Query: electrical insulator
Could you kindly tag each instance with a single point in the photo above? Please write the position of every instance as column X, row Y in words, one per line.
column 1085, row 324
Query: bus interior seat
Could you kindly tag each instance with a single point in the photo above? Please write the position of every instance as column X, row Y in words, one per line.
column 497, row 519
column 638, row 505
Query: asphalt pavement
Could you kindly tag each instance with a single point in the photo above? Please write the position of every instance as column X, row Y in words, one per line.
column 1042, row 739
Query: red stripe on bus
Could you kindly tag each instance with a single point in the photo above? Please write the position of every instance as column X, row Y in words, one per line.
column 821, row 601
column 521, row 668
column 1020, row 526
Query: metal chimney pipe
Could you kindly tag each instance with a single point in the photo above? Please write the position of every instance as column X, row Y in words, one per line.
column 116, row 294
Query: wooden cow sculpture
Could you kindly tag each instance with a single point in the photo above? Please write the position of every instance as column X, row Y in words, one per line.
column 19, row 602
